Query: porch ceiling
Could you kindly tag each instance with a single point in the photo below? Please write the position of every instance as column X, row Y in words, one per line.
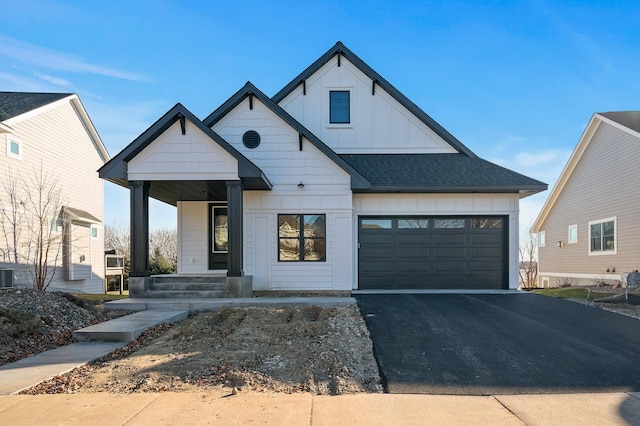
column 189, row 190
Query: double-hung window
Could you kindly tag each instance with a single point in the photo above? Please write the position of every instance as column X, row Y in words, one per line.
column 339, row 107
column 602, row 236
column 301, row 237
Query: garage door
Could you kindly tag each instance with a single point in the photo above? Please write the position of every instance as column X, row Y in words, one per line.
column 433, row 252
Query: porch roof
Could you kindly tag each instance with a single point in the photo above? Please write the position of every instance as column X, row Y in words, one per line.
column 116, row 170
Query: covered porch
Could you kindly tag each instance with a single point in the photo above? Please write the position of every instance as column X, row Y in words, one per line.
column 180, row 160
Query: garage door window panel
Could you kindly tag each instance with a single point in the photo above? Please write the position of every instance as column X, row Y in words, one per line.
column 449, row 223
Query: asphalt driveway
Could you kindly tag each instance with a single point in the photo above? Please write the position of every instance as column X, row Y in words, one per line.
column 500, row 344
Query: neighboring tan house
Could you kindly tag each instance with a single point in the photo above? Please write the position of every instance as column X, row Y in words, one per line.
column 50, row 134
column 338, row 182
column 589, row 228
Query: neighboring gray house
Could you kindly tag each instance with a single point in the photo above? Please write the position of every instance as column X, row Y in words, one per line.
column 337, row 182
column 589, row 228
column 52, row 131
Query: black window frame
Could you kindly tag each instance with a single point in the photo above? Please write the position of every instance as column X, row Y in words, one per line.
column 338, row 109
column 301, row 237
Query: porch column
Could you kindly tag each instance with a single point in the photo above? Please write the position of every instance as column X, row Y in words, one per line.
column 139, row 213
column 234, row 222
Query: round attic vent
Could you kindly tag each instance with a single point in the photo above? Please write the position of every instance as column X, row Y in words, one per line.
column 251, row 139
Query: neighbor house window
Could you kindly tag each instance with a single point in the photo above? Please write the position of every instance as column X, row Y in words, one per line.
column 14, row 148
column 301, row 237
column 94, row 232
column 572, row 236
column 602, row 236
column 339, row 109
column 541, row 239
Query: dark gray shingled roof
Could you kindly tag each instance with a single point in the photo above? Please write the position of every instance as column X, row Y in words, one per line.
column 13, row 104
column 630, row 119
column 429, row 173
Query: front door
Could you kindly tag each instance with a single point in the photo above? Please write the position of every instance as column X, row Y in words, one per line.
column 218, row 237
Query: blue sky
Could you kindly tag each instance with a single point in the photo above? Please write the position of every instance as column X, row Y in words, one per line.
column 515, row 81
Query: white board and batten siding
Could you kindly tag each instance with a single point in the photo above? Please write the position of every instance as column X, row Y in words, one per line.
column 379, row 124
column 327, row 190
column 174, row 156
column 55, row 137
column 442, row 204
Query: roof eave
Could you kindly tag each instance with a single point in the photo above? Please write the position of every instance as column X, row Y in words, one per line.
column 523, row 190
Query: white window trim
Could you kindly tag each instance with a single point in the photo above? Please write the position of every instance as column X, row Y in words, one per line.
column 569, row 240
column 9, row 139
column 613, row 219
column 542, row 241
column 327, row 108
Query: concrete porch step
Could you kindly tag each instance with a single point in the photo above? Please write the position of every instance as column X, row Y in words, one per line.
column 187, row 286
column 206, row 279
column 163, row 294
column 203, row 304
column 129, row 327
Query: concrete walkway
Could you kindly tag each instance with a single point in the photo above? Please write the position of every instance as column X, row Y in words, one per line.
column 128, row 327
column 30, row 371
column 308, row 409
column 95, row 341
column 194, row 304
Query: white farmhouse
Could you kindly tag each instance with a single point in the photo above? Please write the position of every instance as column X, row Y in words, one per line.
column 338, row 182
column 50, row 134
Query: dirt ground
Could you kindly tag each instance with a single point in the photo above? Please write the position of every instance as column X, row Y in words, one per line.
column 306, row 349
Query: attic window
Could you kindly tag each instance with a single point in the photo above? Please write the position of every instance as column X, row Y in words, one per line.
column 14, row 148
column 339, row 110
column 251, row 139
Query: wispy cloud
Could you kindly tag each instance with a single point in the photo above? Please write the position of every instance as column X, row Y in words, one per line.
column 56, row 81
column 14, row 82
column 53, row 59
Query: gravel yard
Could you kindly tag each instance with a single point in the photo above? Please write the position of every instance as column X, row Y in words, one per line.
column 32, row 322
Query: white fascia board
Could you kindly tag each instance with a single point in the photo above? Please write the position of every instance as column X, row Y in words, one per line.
column 619, row 126
column 88, row 124
column 575, row 157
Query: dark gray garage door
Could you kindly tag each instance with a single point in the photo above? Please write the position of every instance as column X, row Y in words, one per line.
column 433, row 252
